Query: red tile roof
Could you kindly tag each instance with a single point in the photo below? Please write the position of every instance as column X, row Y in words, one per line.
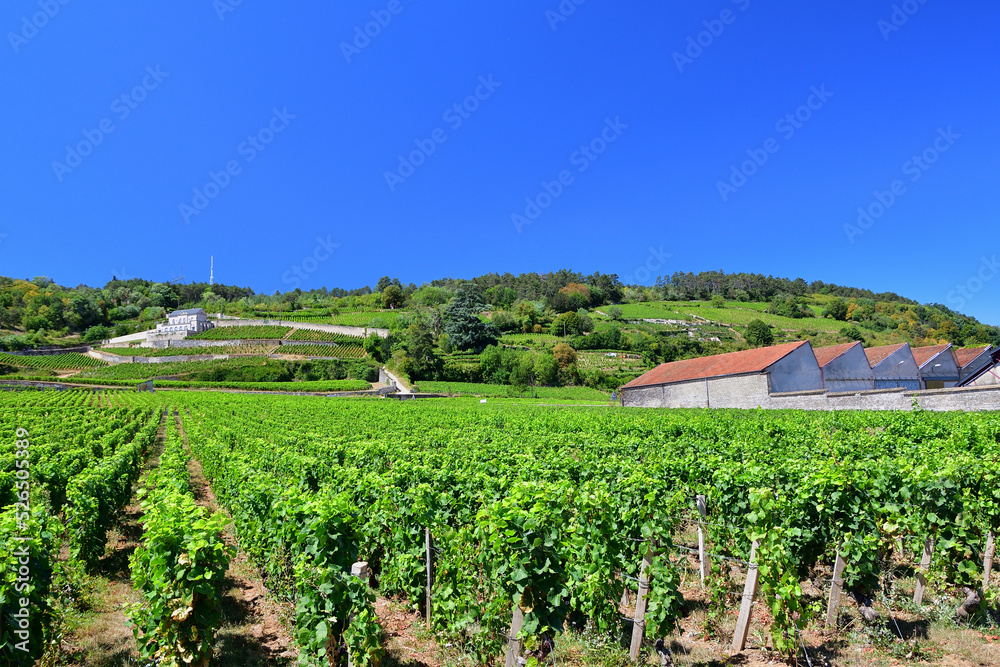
column 924, row 355
column 825, row 355
column 877, row 355
column 966, row 355
column 731, row 363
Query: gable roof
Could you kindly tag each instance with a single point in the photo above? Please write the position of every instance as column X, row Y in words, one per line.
column 731, row 363
column 924, row 355
column 877, row 355
column 966, row 355
column 188, row 311
column 825, row 355
column 992, row 367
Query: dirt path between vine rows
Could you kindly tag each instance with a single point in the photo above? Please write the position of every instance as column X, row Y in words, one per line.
column 98, row 636
column 255, row 629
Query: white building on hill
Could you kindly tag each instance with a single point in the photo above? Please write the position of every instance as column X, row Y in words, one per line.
column 192, row 320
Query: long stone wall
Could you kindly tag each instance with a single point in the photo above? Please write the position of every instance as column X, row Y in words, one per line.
column 115, row 359
column 751, row 391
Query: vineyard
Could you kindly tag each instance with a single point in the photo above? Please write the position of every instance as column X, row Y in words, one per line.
column 538, row 522
column 502, row 390
column 325, row 336
column 530, row 339
column 735, row 312
column 244, row 349
column 622, row 361
column 142, row 372
column 243, row 331
column 55, row 362
column 328, row 351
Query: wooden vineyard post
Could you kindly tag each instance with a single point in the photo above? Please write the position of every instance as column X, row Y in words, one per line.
column 639, row 624
column 836, row 587
column 513, row 643
column 359, row 570
column 988, row 559
column 925, row 565
column 702, row 503
column 427, row 544
column 749, row 592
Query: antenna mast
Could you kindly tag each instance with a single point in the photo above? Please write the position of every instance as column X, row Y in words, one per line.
column 211, row 272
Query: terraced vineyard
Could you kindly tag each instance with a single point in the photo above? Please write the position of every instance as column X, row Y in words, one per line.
column 241, row 332
column 325, row 336
column 331, row 351
column 256, row 349
column 624, row 361
column 735, row 313
column 173, row 368
column 69, row 361
column 529, row 339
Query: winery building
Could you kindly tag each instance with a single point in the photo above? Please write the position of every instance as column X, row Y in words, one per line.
column 937, row 366
column 894, row 367
column 972, row 360
column 988, row 374
column 734, row 380
column 845, row 367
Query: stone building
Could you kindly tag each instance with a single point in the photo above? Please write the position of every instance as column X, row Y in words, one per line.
column 734, row 380
column 845, row 367
column 894, row 367
column 988, row 375
column 937, row 366
column 192, row 320
column 972, row 360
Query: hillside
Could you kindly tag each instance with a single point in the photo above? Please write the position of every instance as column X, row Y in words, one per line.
column 558, row 329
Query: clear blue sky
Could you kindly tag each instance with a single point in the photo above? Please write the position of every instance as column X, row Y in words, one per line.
column 330, row 113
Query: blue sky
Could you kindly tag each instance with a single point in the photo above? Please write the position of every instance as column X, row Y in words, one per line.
column 454, row 139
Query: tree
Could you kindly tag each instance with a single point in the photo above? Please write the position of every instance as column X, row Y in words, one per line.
column 546, row 370
column 385, row 281
column 853, row 333
column 392, row 296
column 419, row 344
column 377, row 347
column 462, row 324
column 96, row 334
column 718, row 301
column 564, row 354
column 759, row 334
column 837, row 309
column 568, row 324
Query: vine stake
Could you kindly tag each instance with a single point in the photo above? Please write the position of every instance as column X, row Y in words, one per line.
column 836, row 586
column 513, row 643
column 925, row 564
column 988, row 559
column 703, row 511
column 359, row 570
column 639, row 625
column 427, row 544
column 749, row 592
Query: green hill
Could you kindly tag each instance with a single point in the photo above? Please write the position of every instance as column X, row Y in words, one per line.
column 556, row 329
